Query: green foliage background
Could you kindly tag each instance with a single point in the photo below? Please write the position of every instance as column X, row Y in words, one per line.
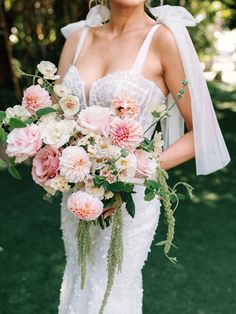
column 31, row 251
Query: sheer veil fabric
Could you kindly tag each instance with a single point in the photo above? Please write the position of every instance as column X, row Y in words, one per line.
column 211, row 152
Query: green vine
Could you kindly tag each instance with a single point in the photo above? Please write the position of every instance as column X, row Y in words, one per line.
column 84, row 247
column 169, row 196
column 115, row 252
column 162, row 177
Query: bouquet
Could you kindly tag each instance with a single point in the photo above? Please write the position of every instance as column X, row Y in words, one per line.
column 97, row 153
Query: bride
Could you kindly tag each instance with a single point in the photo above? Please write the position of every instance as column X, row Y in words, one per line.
column 120, row 51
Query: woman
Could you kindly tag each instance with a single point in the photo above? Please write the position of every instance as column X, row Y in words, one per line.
column 134, row 56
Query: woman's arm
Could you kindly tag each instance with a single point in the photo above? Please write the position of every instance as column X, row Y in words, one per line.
column 173, row 73
column 67, row 54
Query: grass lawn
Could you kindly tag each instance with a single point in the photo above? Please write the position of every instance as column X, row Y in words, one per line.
column 202, row 282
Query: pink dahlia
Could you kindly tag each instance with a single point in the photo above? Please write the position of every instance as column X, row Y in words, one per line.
column 126, row 106
column 35, row 98
column 126, row 133
column 84, row 205
column 45, row 164
column 74, row 164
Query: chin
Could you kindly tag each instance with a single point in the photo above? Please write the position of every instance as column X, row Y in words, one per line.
column 128, row 3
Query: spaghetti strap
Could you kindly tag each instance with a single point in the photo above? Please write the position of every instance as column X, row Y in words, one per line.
column 80, row 44
column 142, row 54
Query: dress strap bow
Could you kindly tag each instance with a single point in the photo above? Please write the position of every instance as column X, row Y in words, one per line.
column 98, row 15
column 172, row 14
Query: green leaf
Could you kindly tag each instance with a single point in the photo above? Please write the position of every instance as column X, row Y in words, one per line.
column 2, row 163
column 149, row 195
column 98, row 181
column 121, row 187
column 44, row 111
column 173, row 198
column 101, row 222
column 29, row 121
column 2, row 115
column 14, row 172
column 16, row 123
column 181, row 196
column 152, row 184
column 3, row 135
column 130, row 206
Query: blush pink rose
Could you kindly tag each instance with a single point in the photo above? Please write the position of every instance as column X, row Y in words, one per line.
column 45, row 164
column 23, row 143
column 146, row 165
column 35, row 98
column 126, row 133
column 84, row 206
column 95, row 118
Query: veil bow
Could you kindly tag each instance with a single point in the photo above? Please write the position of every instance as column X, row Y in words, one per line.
column 211, row 152
column 96, row 17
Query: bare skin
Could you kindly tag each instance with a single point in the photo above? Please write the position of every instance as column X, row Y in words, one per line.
column 115, row 46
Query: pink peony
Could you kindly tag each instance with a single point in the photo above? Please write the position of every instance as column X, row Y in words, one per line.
column 45, row 164
column 84, row 206
column 74, row 164
column 35, row 98
column 23, row 142
column 126, row 106
column 96, row 118
column 146, row 167
column 126, row 133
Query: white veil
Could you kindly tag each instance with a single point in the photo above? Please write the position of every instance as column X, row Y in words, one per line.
column 210, row 150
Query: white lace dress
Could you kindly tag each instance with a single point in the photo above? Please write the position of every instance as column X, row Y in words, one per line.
column 127, row 292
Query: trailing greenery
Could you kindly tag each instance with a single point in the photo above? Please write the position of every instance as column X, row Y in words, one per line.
column 84, row 248
column 115, row 252
column 169, row 197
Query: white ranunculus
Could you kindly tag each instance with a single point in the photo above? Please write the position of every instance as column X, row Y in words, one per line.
column 48, row 69
column 156, row 107
column 17, row 111
column 61, row 90
column 126, row 167
column 70, row 105
column 114, row 151
column 56, row 133
column 158, row 144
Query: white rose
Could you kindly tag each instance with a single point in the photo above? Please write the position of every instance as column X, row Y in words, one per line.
column 157, row 108
column 126, row 167
column 48, row 69
column 158, row 144
column 70, row 105
column 95, row 191
column 56, row 133
column 56, row 184
column 61, row 90
column 17, row 111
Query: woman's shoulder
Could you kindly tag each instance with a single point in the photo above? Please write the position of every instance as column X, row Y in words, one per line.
column 164, row 38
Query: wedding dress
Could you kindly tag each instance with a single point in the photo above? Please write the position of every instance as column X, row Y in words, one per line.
column 127, row 292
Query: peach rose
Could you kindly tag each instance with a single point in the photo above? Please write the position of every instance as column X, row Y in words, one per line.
column 84, row 206
column 45, row 164
column 146, row 166
column 35, row 98
column 126, row 133
column 126, row 106
column 74, row 164
column 23, row 142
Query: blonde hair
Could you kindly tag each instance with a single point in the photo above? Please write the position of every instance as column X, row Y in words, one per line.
column 106, row 2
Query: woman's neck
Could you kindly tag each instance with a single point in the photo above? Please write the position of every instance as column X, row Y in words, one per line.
column 124, row 19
